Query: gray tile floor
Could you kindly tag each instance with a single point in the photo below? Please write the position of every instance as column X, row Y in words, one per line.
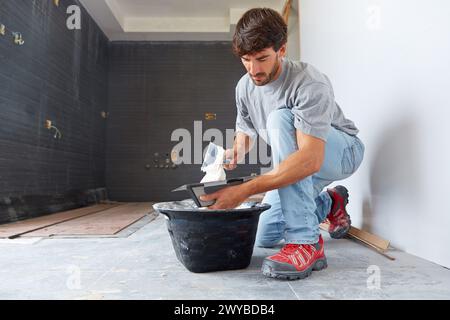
column 143, row 266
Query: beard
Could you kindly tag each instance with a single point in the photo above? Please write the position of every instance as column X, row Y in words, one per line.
column 266, row 78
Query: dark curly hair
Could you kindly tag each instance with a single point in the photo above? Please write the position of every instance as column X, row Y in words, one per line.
column 258, row 29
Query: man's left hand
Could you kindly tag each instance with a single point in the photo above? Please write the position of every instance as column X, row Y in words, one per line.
column 226, row 198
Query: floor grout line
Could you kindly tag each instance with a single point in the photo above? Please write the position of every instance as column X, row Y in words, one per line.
column 295, row 293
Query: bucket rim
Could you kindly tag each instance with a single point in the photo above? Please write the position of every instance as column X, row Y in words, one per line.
column 257, row 206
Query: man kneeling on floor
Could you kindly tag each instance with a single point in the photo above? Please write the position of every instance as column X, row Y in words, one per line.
column 291, row 106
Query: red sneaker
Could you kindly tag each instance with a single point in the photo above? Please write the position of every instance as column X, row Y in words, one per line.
column 339, row 219
column 295, row 261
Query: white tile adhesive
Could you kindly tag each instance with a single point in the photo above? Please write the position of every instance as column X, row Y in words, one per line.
column 213, row 164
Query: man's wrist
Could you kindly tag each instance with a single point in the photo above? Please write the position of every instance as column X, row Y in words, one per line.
column 248, row 188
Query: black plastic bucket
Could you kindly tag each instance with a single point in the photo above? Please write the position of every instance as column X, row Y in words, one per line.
column 212, row 240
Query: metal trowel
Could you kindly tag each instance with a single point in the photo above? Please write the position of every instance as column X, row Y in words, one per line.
column 196, row 190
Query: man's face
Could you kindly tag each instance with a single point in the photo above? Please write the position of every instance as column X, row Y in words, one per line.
column 263, row 66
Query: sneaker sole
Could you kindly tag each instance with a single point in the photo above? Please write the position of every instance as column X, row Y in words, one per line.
column 343, row 232
column 268, row 271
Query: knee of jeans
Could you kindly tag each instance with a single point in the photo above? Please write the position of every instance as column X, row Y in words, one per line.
column 278, row 119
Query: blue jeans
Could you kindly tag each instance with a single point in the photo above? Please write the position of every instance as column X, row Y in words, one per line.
column 298, row 209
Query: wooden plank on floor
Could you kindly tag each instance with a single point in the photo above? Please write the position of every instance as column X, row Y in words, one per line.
column 362, row 235
column 369, row 238
column 373, row 241
column 107, row 222
column 15, row 229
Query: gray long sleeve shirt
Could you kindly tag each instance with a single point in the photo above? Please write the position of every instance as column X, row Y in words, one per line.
column 301, row 88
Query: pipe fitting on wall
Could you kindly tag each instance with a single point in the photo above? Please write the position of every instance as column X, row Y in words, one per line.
column 18, row 38
column 50, row 126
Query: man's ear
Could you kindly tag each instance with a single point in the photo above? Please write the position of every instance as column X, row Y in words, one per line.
column 282, row 51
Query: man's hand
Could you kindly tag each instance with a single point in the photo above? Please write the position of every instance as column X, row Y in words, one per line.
column 233, row 156
column 226, row 198
column 230, row 159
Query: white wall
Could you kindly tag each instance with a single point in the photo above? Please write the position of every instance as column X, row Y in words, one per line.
column 389, row 61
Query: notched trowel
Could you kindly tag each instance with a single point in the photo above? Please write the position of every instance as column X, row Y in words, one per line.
column 196, row 190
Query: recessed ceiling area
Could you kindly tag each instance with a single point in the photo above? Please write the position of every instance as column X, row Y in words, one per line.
column 172, row 20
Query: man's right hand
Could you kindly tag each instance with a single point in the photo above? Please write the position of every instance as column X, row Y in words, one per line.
column 235, row 155
column 230, row 159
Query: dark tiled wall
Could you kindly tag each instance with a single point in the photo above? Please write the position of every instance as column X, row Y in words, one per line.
column 153, row 88
column 156, row 88
column 61, row 75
